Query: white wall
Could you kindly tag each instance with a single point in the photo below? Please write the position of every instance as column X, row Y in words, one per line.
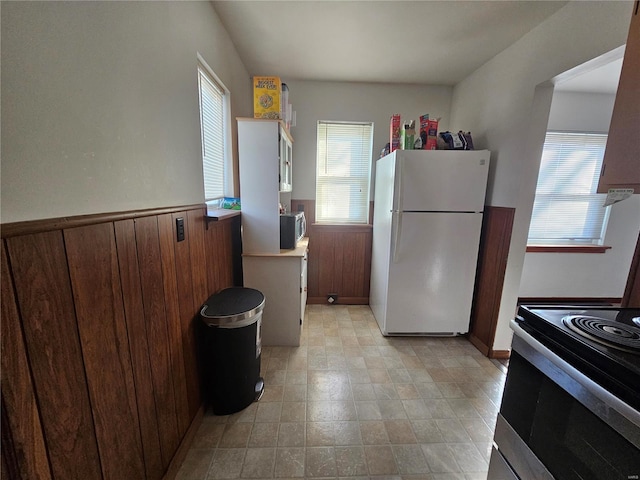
column 587, row 275
column 363, row 102
column 583, row 274
column 581, row 112
column 100, row 104
column 498, row 100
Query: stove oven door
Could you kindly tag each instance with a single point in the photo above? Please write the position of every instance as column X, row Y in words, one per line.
column 556, row 423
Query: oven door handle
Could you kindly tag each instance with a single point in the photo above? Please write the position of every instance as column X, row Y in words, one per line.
column 598, row 400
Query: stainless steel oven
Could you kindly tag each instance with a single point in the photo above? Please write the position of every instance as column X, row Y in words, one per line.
column 570, row 407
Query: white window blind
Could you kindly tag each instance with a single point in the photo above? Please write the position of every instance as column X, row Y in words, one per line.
column 212, row 114
column 566, row 209
column 343, row 172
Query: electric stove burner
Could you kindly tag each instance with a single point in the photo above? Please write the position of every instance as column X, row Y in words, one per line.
column 612, row 334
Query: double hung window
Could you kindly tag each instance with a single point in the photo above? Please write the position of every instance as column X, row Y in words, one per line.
column 343, row 174
column 214, row 102
column 567, row 210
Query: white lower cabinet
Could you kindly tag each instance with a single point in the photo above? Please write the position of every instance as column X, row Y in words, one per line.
column 282, row 278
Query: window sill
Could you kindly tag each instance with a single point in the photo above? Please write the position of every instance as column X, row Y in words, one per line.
column 217, row 214
column 342, row 227
column 567, row 248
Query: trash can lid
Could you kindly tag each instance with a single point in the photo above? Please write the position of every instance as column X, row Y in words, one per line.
column 233, row 307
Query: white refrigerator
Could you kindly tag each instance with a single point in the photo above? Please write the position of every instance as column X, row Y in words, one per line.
column 426, row 233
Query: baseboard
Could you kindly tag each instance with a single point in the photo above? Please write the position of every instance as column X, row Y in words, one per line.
column 341, row 301
column 476, row 342
column 183, row 448
column 500, row 354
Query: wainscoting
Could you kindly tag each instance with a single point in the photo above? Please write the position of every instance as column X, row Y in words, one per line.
column 99, row 356
column 631, row 297
column 495, row 239
column 339, row 259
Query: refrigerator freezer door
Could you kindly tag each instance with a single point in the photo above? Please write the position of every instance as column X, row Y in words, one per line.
column 441, row 181
column 432, row 278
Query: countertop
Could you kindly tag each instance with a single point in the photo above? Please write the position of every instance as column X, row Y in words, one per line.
column 300, row 251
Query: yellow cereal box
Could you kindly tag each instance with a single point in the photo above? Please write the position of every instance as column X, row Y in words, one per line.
column 267, row 92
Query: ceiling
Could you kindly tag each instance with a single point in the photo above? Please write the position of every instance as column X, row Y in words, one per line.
column 436, row 42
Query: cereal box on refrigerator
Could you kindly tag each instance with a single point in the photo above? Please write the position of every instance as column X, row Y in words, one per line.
column 432, row 134
column 394, row 132
column 422, row 131
column 267, row 93
column 428, row 132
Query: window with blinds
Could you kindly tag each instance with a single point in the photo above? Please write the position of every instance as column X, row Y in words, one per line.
column 212, row 124
column 567, row 210
column 343, row 175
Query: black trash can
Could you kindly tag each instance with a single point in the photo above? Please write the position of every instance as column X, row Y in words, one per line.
column 231, row 348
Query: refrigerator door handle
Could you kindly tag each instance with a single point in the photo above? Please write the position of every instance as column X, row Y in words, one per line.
column 399, row 186
column 397, row 225
column 397, row 232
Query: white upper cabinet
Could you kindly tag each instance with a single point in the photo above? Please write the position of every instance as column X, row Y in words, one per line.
column 265, row 160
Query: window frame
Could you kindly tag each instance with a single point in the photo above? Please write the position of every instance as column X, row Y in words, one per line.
column 204, row 70
column 567, row 244
column 363, row 181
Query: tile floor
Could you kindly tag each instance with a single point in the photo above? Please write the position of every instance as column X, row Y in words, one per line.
column 351, row 403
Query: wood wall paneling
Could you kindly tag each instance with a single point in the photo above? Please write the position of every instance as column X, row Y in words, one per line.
column 95, row 280
column 22, row 435
column 149, row 255
column 325, row 256
column 631, row 297
column 41, row 279
column 8, row 460
column 196, row 229
column 140, row 357
column 183, row 450
column 213, row 246
column 339, row 258
column 226, row 260
column 168, row 237
column 495, row 240
column 366, row 265
column 348, row 264
column 356, row 249
column 105, row 309
column 187, row 315
column 343, row 260
column 340, row 262
column 236, row 251
column 219, row 245
column 197, row 252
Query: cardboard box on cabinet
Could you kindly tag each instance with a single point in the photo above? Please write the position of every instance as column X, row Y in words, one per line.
column 267, row 97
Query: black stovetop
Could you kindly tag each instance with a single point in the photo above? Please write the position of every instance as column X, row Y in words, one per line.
column 616, row 370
